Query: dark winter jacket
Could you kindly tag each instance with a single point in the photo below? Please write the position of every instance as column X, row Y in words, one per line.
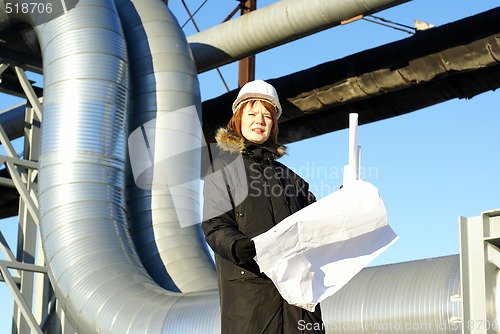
column 247, row 193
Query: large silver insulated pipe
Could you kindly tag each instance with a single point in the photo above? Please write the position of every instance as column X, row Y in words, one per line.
column 273, row 25
column 163, row 80
column 421, row 296
column 92, row 263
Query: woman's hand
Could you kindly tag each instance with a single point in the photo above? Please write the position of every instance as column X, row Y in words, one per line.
column 244, row 250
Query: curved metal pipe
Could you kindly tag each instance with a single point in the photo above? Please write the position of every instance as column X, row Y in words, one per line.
column 95, row 270
column 273, row 25
column 164, row 80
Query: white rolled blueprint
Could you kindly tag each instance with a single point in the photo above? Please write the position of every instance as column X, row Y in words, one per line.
column 313, row 253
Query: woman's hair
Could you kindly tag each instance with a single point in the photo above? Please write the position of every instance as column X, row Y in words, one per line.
column 234, row 123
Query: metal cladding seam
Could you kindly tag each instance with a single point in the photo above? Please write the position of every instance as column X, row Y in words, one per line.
column 163, row 79
column 92, row 263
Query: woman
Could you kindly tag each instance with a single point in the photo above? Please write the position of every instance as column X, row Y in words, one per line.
column 245, row 199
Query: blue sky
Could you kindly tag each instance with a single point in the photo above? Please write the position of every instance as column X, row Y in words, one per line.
column 431, row 166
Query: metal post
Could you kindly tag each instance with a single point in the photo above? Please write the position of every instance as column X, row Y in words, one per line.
column 27, row 235
column 246, row 67
column 480, row 263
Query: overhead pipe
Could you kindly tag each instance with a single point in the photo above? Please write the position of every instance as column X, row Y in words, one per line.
column 274, row 25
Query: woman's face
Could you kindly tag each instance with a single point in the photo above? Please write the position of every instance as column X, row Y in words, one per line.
column 256, row 122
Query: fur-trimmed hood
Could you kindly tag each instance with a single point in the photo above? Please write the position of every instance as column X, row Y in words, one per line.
column 230, row 142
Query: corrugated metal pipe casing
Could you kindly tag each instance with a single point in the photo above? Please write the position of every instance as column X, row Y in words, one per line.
column 164, row 80
column 92, row 263
column 421, row 296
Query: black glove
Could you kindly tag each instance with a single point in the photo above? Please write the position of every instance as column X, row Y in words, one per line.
column 244, row 249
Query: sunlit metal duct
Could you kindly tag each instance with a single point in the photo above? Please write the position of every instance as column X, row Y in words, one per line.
column 421, row 296
column 96, row 273
column 273, row 25
column 163, row 79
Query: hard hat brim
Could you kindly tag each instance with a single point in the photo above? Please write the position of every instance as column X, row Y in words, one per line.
column 257, row 96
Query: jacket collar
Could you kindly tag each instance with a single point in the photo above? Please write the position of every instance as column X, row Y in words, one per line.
column 230, row 142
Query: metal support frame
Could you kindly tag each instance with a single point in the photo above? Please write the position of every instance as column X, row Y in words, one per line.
column 36, row 309
column 479, row 267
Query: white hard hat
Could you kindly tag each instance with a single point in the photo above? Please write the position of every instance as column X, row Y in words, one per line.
column 258, row 90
